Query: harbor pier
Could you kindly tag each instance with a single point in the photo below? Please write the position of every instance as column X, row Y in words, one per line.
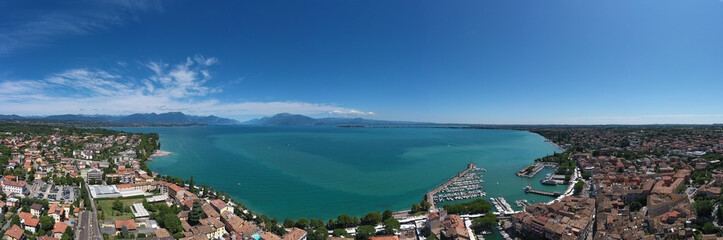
column 463, row 185
column 529, row 189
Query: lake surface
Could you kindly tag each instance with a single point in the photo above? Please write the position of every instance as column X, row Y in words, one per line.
column 324, row 171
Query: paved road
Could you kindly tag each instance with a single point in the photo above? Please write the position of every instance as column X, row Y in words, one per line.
column 82, row 232
column 88, row 226
column 7, row 223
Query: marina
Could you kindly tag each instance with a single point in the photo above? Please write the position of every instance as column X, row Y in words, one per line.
column 522, row 203
column 502, row 206
column 464, row 185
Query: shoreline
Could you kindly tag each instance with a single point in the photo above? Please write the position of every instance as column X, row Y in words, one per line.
column 160, row 153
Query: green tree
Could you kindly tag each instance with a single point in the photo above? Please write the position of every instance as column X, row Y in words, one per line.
column 47, row 222
column 387, row 214
column 69, row 232
column 416, row 207
column 709, row 228
column 432, row 237
column 15, row 220
column 578, row 187
column 191, row 183
column 486, row 222
column 426, row 232
column 372, row 218
column 320, row 234
column 345, row 221
column 302, row 223
column 316, row 223
column 425, row 206
column 340, row 232
column 365, row 232
column 289, row 223
column 478, row 206
column 124, row 231
column 331, row 224
column 118, row 206
column 703, row 208
column 391, row 225
column 196, row 213
column 635, row 206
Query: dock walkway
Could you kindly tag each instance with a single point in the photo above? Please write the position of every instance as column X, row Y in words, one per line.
column 555, row 194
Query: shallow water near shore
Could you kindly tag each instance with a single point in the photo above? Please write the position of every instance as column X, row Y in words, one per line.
column 324, row 171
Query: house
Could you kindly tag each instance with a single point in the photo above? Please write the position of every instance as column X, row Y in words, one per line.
column 130, row 224
column 709, row 191
column 454, row 228
column 295, row 234
column 210, row 212
column 14, row 187
column 221, row 206
column 14, row 233
column 59, row 229
column 36, row 209
column 217, row 225
column 434, row 224
column 269, row 236
column 162, row 233
column 32, row 224
column 91, row 174
column 24, row 216
column 57, row 212
column 12, row 202
column 384, row 238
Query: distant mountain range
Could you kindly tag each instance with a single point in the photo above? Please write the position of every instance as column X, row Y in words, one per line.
column 296, row 119
column 169, row 118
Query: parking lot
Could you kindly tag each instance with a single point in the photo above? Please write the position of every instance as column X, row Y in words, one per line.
column 42, row 190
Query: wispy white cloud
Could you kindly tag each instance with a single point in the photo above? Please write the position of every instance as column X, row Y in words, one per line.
column 168, row 87
column 40, row 27
column 350, row 113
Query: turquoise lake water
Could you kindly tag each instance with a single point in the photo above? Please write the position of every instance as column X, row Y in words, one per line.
column 324, row 171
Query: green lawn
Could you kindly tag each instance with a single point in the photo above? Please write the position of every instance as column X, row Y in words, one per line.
column 106, row 205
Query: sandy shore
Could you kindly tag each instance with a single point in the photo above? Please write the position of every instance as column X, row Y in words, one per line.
column 159, row 153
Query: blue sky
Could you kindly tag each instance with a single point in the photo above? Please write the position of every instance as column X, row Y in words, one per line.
column 503, row 62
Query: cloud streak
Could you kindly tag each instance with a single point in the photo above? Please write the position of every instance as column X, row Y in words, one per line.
column 350, row 113
column 43, row 26
column 168, row 87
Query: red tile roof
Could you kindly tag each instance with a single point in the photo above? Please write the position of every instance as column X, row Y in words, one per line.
column 130, row 224
column 15, row 232
column 59, row 227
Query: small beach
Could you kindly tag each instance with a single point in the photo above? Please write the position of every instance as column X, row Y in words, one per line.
column 160, row 153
